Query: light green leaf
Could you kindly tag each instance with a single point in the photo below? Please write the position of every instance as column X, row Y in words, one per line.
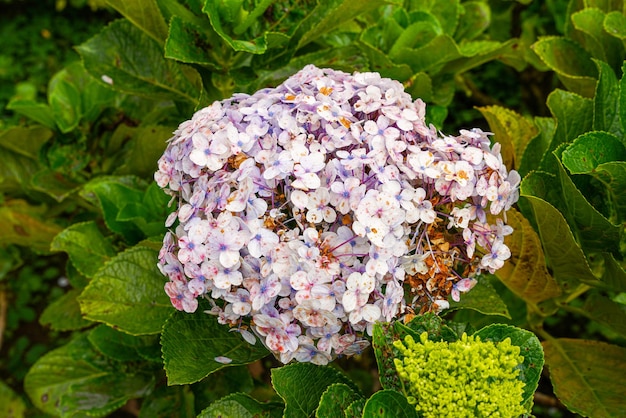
column 241, row 405
column 87, row 248
column 476, row 17
column 525, row 273
column 64, row 313
column 484, row 299
column 144, row 14
column 335, row 400
column 606, row 101
column 389, row 404
column 134, row 64
column 429, row 57
column 570, row 62
column 75, row 379
column 65, row 102
column 355, row 409
column 11, row 405
column 587, row 376
column 39, row 112
column 192, row 342
column 613, row 176
column 127, row 293
column 24, row 224
column 301, row 400
column 615, row 24
column 253, row 46
column 530, row 349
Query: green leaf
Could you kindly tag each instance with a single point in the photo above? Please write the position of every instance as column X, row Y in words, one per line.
column 574, row 115
column 383, row 337
column 64, row 313
column 75, row 379
column 330, row 15
column 127, row 293
column 19, row 148
column 135, row 64
column 429, row 57
column 150, row 214
column 530, row 349
column 39, row 112
column 23, row 224
column 390, row 404
column 355, row 409
column 563, row 255
column 301, row 400
column 192, row 342
column 570, row 62
column 603, row 310
column 11, row 405
column 54, row 184
column 254, row 46
column 241, row 405
column 537, row 146
column 593, row 230
column 484, row 299
column 112, row 194
column 606, row 101
column 187, row 42
column 430, row 323
column 85, row 245
column 120, row 346
column 587, row 376
column 592, row 149
column 525, row 273
column 615, row 24
column 511, row 130
column 335, row 400
column 613, row 176
column 65, row 102
column 614, row 276
column 145, row 15
column 476, row 17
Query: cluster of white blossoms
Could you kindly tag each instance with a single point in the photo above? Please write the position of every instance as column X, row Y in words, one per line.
column 309, row 211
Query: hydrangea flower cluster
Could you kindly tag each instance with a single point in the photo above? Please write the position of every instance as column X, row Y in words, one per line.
column 309, row 211
column 464, row 379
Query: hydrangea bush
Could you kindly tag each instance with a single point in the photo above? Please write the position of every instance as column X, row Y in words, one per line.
column 307, row 212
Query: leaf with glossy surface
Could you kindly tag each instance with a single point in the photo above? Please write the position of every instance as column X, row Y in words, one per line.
column 64, row 313
column 86, row 247
column 587, row 376
column 389, row 404
column 241, row 405
column 135, row 64
column 482, row 298
column 76, row 379
column 191, row 343
column 127, row 293
column 590, row 150
column 530, row 349
column 570, row 61
column 301, row 400
column 335, row 400
column 525, row 273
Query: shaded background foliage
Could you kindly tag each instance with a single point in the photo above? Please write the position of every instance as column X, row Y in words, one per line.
column 86, row 326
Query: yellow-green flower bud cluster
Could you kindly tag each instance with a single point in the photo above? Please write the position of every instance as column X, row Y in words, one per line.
column 465, row 378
